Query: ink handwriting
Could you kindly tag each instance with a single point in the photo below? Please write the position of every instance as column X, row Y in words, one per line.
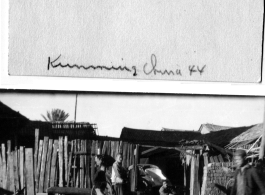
column 154, row 70
column 56, row 64
column 148, row 68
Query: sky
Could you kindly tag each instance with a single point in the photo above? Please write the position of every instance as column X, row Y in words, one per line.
column 111, row 112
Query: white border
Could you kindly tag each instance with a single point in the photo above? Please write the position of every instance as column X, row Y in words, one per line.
column 113, row 85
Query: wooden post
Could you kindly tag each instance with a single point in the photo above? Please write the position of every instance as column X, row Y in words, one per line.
column 21, row 166
column 262, row 145
column 196, row 178
column 4, row 166
column 92, row 161
column 135, row 167
column 124, row 154
column 205, row 172
column 9, row 160
column 192, row 175
column 185, row 178
column 29, row 171
column 53, row 165
column 82, row 165
column 43, row 164
column 36, row 147
column 70, row 163
column 87, row 165
column 60, row 161
column 15, row 166
column 37, row 174
column 66, row 158
column 48, row 166
column 74, row 165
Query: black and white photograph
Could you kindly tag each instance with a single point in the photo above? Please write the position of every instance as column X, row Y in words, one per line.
column 130, row 143
column 135, row 97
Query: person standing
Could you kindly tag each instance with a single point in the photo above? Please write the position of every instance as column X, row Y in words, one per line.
column 99, row 180
column 247, row 180
column 118, row 175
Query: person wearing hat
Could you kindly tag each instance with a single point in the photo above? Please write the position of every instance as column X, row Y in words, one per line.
column 247, row 180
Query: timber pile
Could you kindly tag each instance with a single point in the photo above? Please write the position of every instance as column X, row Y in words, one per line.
column 216, row 175
column 62, row 162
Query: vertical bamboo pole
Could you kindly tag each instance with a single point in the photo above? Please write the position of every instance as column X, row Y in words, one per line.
column 66, row 158
column 36, row 147
column 21, row 166
column 4, row 166
column 60, row 161
column 135, row 167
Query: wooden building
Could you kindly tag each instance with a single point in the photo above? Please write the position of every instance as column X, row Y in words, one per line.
column 185, row 156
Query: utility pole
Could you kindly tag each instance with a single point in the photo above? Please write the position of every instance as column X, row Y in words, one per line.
column 262, row 145
column 75, row 106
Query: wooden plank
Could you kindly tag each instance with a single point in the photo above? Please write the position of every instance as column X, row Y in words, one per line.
column 29, row 177
column 116, row 148
column 66, row 158
column 192, row 175
column 112, row 145
column 74, row 164
column 88, row 180
column 67, row 190
column 128, row 155
column 36, row 147
column 135, row 167
column 53, row 165
column 9, row 166
column 78, row 165
column 215, row 159
column 103, row 148
column 120, row 147
column 132, row 154
column 11, row 184
column 124, row 154
column 4, row 167
column 92, row 160
column 70, row 163
column 37, row 177
column 82, row 165
column 43, row 163
column 96, row 148
column 60, row 161
column 220, row 158
column 48, row 166
column 196, row 176
column 85, row 163
column 21, row 167
column 15, row 168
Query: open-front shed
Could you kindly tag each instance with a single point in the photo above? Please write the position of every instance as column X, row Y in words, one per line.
column 190, row 160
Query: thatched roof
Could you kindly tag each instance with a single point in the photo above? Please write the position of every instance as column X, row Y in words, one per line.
column 223, row 137
column 252, row 132
column 153, row 137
